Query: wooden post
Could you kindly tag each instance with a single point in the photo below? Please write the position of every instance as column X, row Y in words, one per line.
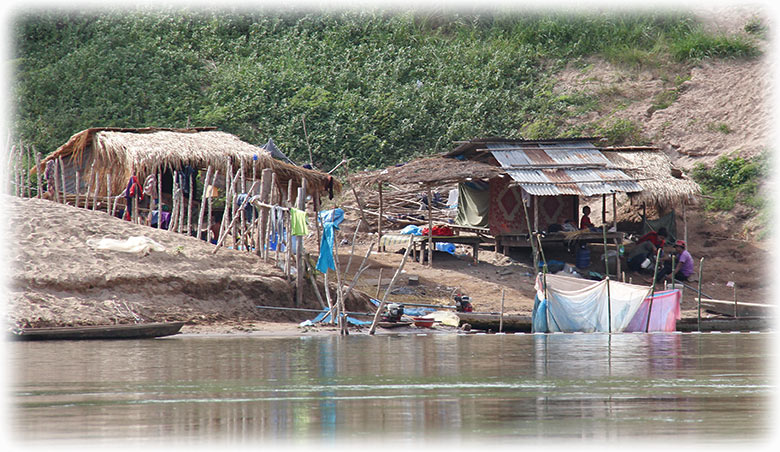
column 352, row 253
column 38, row 172
column 62, row 176
column 603, row 210
column 95, row 193
column 501, row 317
column 56, row 177
column 389, row 287
column 78, row 184
column 108, row 194
column 299, row 250
column 430, row 226
column 379, row 283
column 265, row 190
column 189, row 205
column 288, row 232
column 160, row 173
column 379, row 220
column 232, row 222
column 206, row 183
column 698, row 322
column 652, row 290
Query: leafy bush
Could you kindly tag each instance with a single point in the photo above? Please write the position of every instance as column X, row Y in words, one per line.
column 731, row 180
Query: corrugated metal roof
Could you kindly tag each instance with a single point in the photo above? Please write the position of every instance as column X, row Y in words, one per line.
column 562, row 169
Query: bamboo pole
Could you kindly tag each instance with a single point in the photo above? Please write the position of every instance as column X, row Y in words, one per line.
column 262, row 239
column 389, row 287
column 56, row 177
column 501, row 317
column 379, row 219
column 206, row 183
column 379, row 283
column 189, row 205
column 361, row 268
column 310, row 272
column 430, row 226
column 62, row 176
column 698, row 322
column 224, row 233
column 210, row 202
column 108, row 193
column 288, row 232
column 339, row 288
column 652, row 290
column 352, row 253
column 78, row 185
column 159, row 174
column 95, row 193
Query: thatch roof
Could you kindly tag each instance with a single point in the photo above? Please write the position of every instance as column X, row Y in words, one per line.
column 430, row 170
column 664, row 185
column 121, row 151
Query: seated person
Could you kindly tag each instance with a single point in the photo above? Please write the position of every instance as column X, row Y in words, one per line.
column 684, row 268
column 640, row 252
column 658, row 238
column 585, row 222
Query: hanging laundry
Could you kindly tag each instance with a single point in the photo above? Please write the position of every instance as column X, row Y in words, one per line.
column 150, row 186
column 185, row 174
column 335, row 216
column 298, row 223
column 326, row 262
column 132, row 190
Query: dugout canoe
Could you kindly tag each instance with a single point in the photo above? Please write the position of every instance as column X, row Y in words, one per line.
column 124, row 331
column 512, row 323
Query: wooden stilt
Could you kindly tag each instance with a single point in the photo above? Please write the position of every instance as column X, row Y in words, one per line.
column 430, row 226
column 78, row 190
column 206, row 183
column 299, row 248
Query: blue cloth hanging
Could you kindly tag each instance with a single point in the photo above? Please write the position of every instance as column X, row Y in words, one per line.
column 326, row 262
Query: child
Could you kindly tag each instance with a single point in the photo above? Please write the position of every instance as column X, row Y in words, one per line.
column 585, row 222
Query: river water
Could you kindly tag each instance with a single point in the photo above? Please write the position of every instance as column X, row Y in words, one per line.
column 703, row 388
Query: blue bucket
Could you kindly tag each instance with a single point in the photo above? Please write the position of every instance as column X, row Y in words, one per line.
column 583, row 258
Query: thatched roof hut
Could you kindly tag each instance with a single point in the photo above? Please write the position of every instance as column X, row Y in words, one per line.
column 664, row 186
column 122, row 152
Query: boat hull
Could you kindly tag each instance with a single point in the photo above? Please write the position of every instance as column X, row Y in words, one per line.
column 128, row 331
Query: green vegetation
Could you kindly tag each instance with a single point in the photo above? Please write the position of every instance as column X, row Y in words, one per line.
column 733, row 180
column 374, row 86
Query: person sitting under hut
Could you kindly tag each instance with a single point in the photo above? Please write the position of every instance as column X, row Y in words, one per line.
column 585, row 222
column 646, row 248
column 684, row 268
column 658, row 238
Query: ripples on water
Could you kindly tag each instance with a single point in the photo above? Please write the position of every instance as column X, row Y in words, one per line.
column 713, row 387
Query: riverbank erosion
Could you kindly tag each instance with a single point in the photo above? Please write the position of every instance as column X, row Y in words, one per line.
column 60, row 277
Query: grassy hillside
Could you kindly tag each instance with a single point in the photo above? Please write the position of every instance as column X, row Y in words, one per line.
column 377, row 87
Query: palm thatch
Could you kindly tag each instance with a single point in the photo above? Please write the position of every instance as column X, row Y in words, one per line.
column 124, row 152
column 429, row 171
column 664, row 186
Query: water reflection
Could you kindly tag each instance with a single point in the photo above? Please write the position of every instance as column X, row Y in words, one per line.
column 245, row 389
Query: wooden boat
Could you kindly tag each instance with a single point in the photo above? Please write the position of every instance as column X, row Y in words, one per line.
column 124, row 331
column 390, row 325
column 512, row 323
column 742, row 309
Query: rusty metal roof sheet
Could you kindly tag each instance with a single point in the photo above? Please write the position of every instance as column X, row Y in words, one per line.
column 552, row 169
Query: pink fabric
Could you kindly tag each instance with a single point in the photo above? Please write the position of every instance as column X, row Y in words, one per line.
column 666, row 313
